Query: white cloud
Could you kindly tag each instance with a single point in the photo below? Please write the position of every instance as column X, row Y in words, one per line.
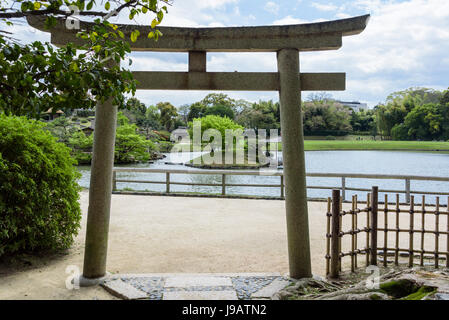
column 404, row 45
column 289, row 20
column 342, row 15
column 210, row 3
column 324, row 7
column 272, row 7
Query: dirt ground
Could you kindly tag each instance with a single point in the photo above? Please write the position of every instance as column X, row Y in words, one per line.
column 156, row 234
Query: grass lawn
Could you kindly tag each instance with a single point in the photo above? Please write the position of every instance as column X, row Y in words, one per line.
column 313, row 145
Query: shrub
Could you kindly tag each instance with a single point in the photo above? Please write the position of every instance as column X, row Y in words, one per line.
column 39, row 207
column 165, row 146
column 85, row 113
column 330, row 138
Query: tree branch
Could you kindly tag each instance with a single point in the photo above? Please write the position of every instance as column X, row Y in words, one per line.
column 20, row 14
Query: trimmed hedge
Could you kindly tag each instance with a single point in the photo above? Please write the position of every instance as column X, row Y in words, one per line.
column 39, row 207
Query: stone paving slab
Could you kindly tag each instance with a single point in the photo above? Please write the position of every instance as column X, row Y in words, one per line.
column 196, row 286
column 201, row 295
column 269, row 290
column 124, row 290
column 197, row 281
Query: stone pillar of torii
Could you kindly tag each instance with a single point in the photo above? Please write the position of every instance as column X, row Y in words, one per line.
column 287, row 41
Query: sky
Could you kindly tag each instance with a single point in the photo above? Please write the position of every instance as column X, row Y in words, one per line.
column 405, row 44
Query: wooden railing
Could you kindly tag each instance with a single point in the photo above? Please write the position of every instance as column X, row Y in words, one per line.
column 224, row 184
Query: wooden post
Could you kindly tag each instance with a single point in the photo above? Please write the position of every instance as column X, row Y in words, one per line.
column 447, row 235
column 368, row 213
column 374, row 209
column 423, row 224
column 114, row 180
column 437, row 232
column 282, row 186
column 353, row 236
column 356, row 228
column 223, row 184
column 398, row 211
column 343, row 188
column 407, row 190
column 167, row 182
column 412, row 210
column 340, row 239
column 386, row 229
column 328, row 234
column 335, row 252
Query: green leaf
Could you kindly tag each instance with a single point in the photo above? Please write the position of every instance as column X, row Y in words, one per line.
column 154, row 23
column 134, row 35
column 37, row 5
column 107, row 5
column 90, row 5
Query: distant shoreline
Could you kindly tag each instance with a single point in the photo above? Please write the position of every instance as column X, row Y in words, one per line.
column 367, row 145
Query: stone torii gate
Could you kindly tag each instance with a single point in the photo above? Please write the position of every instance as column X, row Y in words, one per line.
column 287, row 41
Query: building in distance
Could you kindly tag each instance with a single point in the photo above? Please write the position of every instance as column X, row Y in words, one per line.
column 354, row 105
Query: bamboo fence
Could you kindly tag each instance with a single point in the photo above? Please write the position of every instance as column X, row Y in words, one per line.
column 392, row 234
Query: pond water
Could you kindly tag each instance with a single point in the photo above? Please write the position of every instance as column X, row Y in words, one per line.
column 367, row 162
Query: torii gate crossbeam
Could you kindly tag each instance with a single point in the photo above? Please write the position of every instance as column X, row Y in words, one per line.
column 287, row 41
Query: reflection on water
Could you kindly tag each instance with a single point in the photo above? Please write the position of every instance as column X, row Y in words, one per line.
column 368, row 162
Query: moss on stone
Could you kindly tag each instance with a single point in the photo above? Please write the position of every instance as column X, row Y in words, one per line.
column 375, row 296
column 420, row 294
column 399, row 288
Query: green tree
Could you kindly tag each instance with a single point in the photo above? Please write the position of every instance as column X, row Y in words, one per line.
column 168, row 115
column 135, row 111
column 215, row 99
column 388, row 116
column 399, row 132
column 197, row 110
column 326, row 117
column 37, row 76
column 362, row 120
column 218, row 123
column 183, row 112
column 129, row 145
column 261, row 115
column 415, row 96
column 151, row 121
column 81, row 146
column 220, row 110
column 445, row 98
column 424, row 122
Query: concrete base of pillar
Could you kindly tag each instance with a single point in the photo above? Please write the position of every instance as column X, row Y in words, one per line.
column 89, row 282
